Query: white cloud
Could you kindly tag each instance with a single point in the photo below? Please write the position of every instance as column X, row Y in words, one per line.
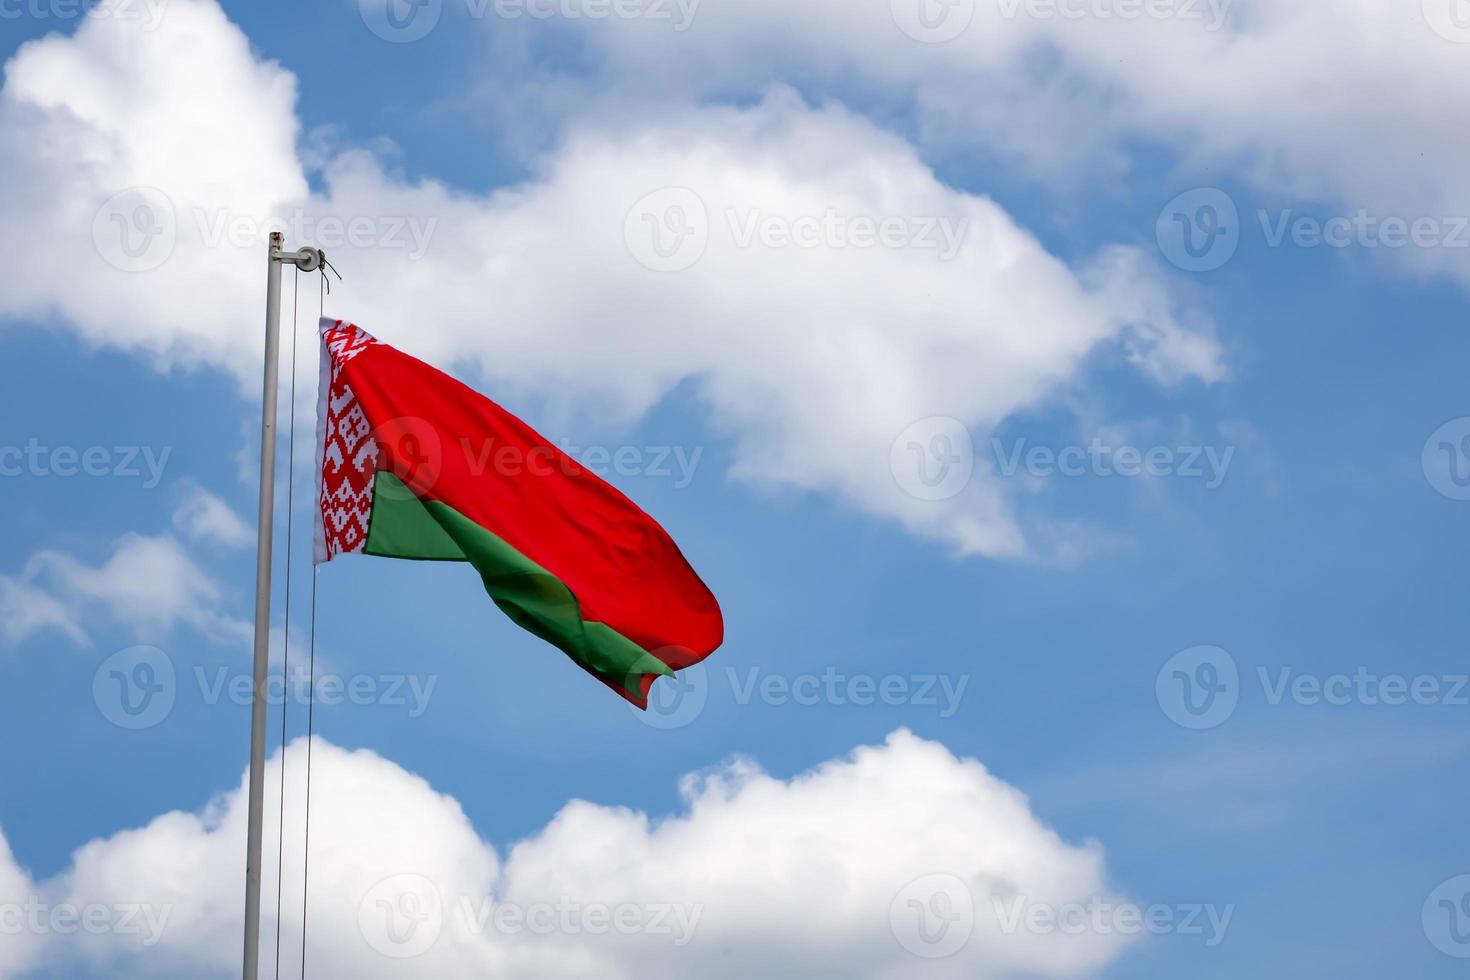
column 184, row 110
column 26, row 610
column 150, row 583
column 1337, row 102
column 813, row 359
column 202, row 516
column 22, row 946
column 757, row 876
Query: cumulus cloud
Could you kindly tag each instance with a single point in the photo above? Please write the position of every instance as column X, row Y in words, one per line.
column 1320, row 99
column 818, row 284
column 204, row 517
column 22, row 946
column 149, row 583
column 179, row 118
column 26, row 610
column 822, row 875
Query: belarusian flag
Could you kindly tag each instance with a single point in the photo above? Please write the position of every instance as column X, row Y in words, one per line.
column 416, row 465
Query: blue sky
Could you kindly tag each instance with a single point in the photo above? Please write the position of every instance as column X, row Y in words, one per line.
column 1325, row 549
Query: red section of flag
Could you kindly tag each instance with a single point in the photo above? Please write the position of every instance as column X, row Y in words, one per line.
column 452, row 444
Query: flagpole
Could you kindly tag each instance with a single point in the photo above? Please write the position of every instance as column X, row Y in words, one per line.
column 308, row 260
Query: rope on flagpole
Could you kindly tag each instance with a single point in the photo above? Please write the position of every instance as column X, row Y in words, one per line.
column 323, row 290
column 286, row 633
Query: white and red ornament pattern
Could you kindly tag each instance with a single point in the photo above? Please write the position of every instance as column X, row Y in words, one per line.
column 349, row 453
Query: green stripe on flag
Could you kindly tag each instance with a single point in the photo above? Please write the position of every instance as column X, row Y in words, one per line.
column 403, row 526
